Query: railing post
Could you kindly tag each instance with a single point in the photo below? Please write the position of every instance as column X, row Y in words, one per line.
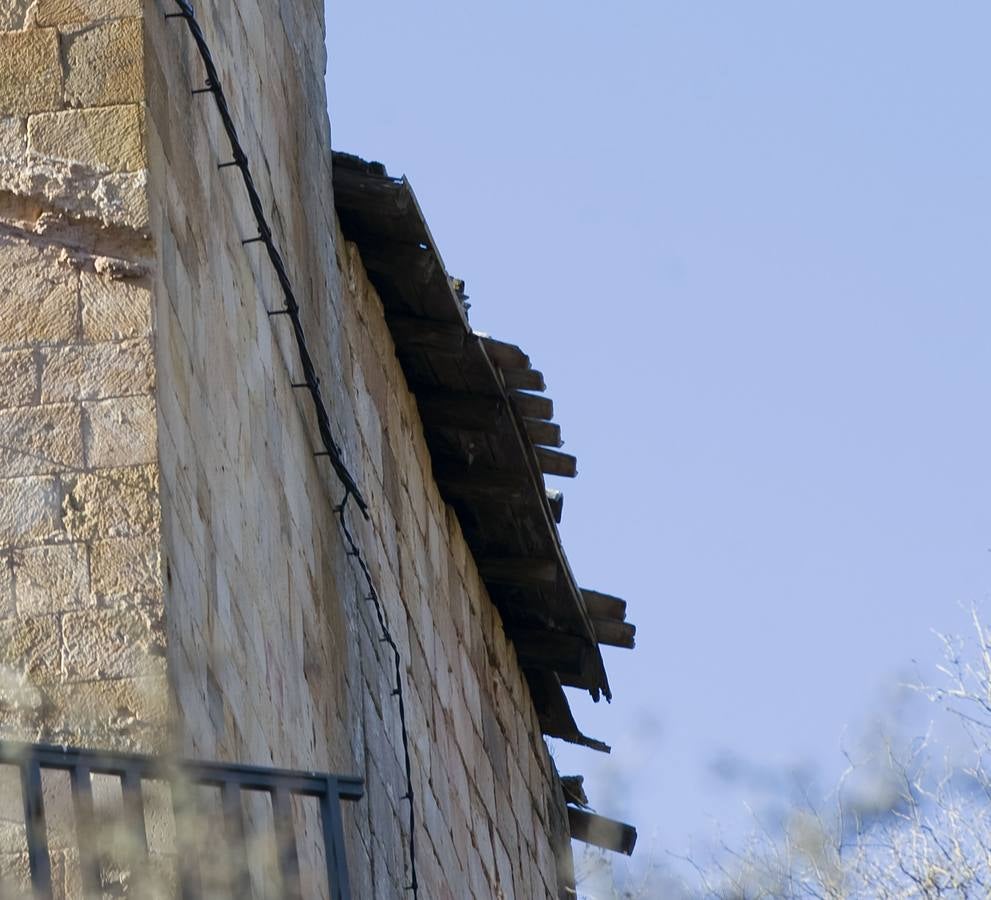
column 34, row 822
column 82, row 803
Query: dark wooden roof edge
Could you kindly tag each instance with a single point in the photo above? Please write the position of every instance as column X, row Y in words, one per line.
column 471, row 384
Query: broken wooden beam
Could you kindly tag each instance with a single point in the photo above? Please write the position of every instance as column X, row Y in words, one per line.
column 608, row 834
column 523, row 380
column 615, row 634
column 505, row 356
column 604, row 606
column 532, row 406
column 519, row 572
column 461, row 411
column 553, row 713
column 556, row 500
column 553, row 462
column 548, row 434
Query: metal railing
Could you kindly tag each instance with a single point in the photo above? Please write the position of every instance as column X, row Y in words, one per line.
column 183, row 779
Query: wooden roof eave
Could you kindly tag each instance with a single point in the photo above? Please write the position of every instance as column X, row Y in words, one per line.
column 430, row 327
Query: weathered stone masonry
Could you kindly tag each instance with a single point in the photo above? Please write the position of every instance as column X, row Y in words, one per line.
column 173, row 573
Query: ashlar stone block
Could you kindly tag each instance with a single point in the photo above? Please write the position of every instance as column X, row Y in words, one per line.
column 51, row 579
column 112, row 503
column 104, row 64
column 108, row 138
column 18, row 378
column 122, row 430
column 114, row 310
column 66, row 12
column 30, row 71
column 40, row 440
column 126, row 567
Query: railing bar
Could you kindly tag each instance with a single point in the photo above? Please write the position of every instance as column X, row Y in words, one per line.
column 237, row 845
column 285, row 832
column 34, row 822
column 82, row 804
column 134, row 813
column 183, row 814
column 333, row 842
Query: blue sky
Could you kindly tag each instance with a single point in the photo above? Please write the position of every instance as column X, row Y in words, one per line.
column 747, row 243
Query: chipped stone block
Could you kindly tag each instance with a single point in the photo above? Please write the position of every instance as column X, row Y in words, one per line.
column 114, row 310
column 108, row 138
column 119, row 642
column 51, row 579
column 29, row 510
column 18, row 378
column 29, row 653
column 30, row 71
column 97, row 371
column 104, row 64
column 113, row 503
column 122, row 430
column 126, row 567
column 40, row 440
column 67, row 12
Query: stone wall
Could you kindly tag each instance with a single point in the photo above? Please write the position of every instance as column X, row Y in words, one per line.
column 156, row 458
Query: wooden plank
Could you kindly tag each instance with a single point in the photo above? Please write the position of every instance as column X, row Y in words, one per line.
column 452, row 409
column 604, row 606
column 548, row 434
column 553, row 462
column 602, row 832
column 522, row 572
column 615, row 634
column 532, row 406
column 553, row 713
column 429, row 335
column 523, row 379
column 556, row 500
column 505, row 356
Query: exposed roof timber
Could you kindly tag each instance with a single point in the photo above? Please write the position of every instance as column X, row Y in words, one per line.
column 553, row 462
column 609, row 619
column 490, row 442
column 602, row 832
column 523, row 379
column 556, row 719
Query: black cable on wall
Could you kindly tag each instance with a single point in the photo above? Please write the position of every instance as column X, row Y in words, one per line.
column 311, row 384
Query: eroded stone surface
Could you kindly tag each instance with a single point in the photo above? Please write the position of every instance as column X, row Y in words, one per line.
column 18, row 378
column 112, row 503
column 126, row 567
column 29, row 651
